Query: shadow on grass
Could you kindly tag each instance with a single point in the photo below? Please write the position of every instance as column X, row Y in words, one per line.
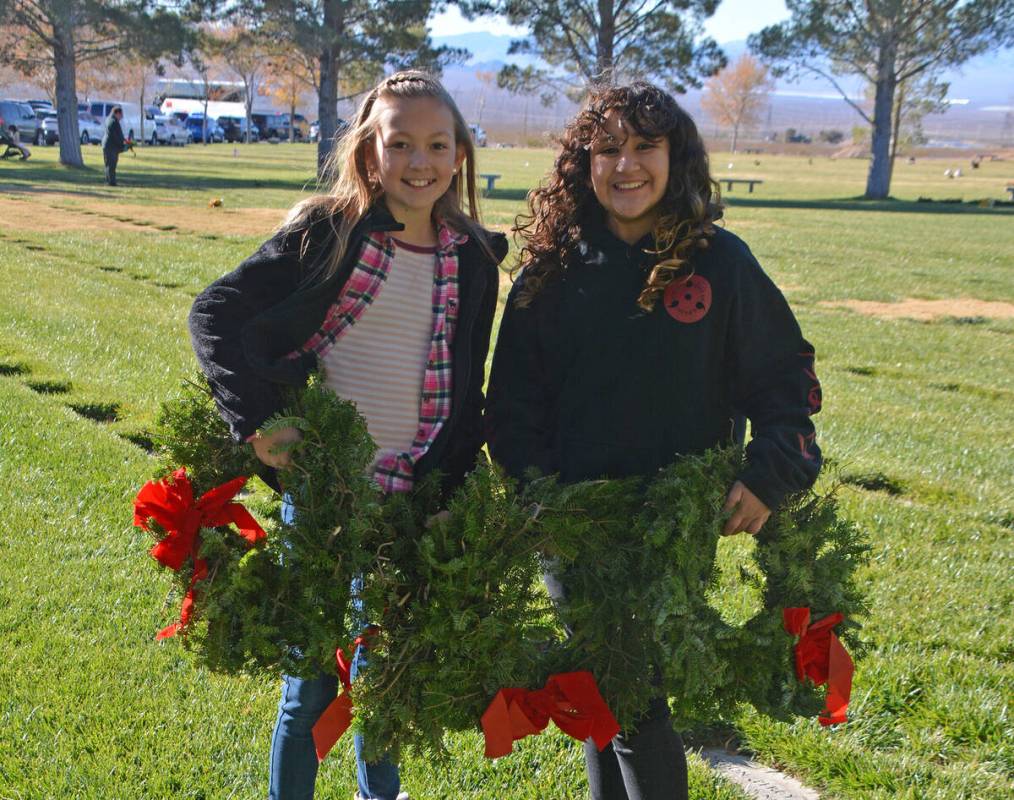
column 33, row 179
column 859, row 204
column 505, row 194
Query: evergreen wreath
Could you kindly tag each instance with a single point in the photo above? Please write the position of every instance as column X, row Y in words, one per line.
column 458, row 601
column 637, row 559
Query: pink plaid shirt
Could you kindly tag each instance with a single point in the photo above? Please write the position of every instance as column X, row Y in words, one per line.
column 395, row 472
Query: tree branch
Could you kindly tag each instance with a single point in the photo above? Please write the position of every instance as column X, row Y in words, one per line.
column 841, row 91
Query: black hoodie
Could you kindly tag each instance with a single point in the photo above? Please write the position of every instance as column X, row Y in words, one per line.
column 587, row 384
column 244, row 324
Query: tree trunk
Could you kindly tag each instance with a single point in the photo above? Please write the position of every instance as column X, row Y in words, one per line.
column 292, row 117
column 144, row 80
column 899, row 102
column 735, row 136
column 327, row 91
column 250, row 86
column 66, row 97
column 204, row 122
column 604, row 66
column 878, row 181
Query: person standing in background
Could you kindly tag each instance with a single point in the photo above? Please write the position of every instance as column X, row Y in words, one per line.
column 113, row 143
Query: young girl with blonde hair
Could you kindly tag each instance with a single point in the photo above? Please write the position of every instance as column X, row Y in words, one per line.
column 388, row 285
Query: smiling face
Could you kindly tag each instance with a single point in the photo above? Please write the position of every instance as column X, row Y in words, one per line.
column 414, row 154
column 629, row 175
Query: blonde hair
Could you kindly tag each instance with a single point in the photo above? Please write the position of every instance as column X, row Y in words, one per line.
column 351, row 193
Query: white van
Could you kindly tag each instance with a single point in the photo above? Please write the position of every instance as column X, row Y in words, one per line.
column 131, row 122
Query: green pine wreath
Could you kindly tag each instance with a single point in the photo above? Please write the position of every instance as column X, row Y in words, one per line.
column 458, row 600
column 638, row 561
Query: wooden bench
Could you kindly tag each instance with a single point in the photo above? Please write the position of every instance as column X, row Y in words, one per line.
column 729, row 181
column 490, row 181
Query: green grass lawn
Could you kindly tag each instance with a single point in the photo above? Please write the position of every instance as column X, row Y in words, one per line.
column 917, row 422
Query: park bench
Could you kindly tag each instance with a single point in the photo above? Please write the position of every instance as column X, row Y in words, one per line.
column 729, row 181
column 490, row 181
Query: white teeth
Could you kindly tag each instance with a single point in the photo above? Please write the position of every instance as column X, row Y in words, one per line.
column 630, row 185
column 420, row 184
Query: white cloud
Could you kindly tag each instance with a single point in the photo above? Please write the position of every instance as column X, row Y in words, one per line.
column 451, row 23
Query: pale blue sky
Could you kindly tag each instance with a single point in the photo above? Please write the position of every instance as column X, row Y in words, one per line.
column 735, row 19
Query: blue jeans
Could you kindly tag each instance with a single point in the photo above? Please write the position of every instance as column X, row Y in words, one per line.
column 293, row 755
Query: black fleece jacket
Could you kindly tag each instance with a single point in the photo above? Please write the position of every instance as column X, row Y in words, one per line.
column 113, row 140
column 587, row 384
column 244, row 324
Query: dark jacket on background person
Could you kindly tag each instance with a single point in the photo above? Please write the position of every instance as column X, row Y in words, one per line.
column 245, row 323
column 113, row 140
column 587, row 384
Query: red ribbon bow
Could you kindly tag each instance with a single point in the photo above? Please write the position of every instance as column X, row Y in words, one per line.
column 170, row 502
column 570, row 699
column 337, row 717
column 822, row 658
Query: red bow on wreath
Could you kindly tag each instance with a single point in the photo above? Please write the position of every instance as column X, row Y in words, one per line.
column 570, row 699
column 337, row 717
column 822, row 658
column 170, row 502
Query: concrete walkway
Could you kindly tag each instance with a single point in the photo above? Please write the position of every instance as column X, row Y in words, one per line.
column 758, row 781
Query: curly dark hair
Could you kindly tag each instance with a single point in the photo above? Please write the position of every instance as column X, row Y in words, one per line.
column 564, row 204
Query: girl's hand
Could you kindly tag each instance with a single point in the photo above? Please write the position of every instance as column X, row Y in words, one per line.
column 440, row 516
column 748, row 512
column 268, row 448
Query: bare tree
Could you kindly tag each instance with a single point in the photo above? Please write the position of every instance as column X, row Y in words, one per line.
column 245, row 49
column 288, row 79
column 736, row 96
column 526, row 83
column 487, row 81
column 206, row 64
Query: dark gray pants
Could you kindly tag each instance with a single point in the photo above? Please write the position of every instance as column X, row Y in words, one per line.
column 647, row 765
column 110, row 157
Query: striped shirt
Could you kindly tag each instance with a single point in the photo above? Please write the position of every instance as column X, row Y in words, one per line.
column 380, row 362
column 394, row 469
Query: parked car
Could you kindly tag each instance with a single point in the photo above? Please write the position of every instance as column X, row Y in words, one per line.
column 50, row 128
column 478, row 135
column 41, row 108
column 195, row 127
column 21, row 118
column 314, row 132
column 270, row 125
column 166, row 130
column 234, row 129
column 89, row 129
column 300, row 126
column 131, row 122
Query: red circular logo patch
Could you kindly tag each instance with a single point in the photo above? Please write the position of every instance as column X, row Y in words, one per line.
column 688, row 299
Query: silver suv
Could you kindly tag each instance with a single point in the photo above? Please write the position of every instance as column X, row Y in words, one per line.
column 21, row 117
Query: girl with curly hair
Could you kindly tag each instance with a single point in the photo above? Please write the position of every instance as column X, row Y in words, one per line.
column 639, row 330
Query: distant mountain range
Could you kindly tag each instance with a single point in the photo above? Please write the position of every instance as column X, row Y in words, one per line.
column 981, row 95
column 982, row 81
